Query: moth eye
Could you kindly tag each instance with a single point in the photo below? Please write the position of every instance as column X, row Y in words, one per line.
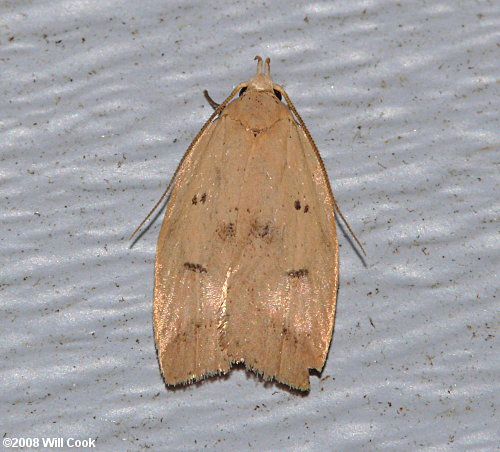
column 277, row 94
column 242, row 91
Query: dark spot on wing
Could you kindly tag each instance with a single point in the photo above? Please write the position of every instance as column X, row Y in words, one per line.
column 226, row 230
column 201, row 199
column 298, row 273
column 306, row 208
column 262, row 231
column 297, row 204
column 195, row 267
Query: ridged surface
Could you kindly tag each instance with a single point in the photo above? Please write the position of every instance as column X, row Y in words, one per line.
column 100, row 100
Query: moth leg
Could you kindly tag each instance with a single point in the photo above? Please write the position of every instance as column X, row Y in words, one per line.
column 212, row 102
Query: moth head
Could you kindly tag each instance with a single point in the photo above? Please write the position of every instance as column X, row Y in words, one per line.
column 261, row 81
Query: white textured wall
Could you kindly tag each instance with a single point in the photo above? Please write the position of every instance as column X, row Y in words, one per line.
column 99, row 99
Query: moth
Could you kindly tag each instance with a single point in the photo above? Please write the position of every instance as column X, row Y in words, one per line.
column 247, row 260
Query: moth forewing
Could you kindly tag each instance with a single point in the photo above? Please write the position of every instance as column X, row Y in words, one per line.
column 247, row 259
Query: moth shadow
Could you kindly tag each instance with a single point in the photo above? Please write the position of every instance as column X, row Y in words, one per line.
column 158, row 212
column 351, row 242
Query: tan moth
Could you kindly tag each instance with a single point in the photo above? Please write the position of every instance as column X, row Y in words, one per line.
column 247, row 259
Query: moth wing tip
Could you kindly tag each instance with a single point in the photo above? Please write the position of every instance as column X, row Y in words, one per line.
column 174, row 383
column 295, row 384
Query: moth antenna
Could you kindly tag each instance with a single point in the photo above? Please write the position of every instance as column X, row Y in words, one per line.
column 212, row 102
column 267, row 67
column 189, row 149
column 337, row 209
column 322, row 165
column 259, row 64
